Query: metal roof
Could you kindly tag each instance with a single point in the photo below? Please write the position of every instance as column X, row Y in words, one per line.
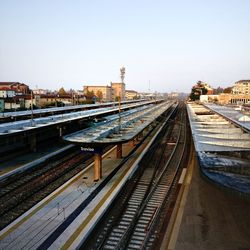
column 59, row 109
column 112, row 131
column 212, row 132
column 236, row 116
column 24, row 125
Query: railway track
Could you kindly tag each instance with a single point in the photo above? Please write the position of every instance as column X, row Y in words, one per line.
column 21, row 192
column 137, row 215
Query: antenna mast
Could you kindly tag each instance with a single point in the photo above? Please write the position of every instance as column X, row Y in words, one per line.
column 122, row 70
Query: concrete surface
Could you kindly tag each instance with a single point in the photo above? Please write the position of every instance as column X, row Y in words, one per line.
column 213, row 218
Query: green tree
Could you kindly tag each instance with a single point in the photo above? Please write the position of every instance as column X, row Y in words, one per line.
column 196, row 91
column 99, row 95
column 90, row 95
column 228, row 90
column 62, row 91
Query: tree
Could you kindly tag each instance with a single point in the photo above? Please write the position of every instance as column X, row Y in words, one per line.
column 62, row 91
column 228, row 90
column 196, row 91
column 99, row 95
column 90, row 94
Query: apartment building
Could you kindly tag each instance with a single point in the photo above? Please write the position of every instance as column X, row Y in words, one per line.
column 241, row 87
column 131, row 94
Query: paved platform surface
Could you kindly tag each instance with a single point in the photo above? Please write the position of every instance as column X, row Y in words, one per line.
column 213, row 218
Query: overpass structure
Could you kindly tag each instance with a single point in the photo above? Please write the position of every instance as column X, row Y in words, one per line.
column 117, row 130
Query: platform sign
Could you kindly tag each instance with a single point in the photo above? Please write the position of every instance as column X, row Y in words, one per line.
column 91, row 150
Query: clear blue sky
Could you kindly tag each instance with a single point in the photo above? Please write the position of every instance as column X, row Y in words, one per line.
column 172, row 44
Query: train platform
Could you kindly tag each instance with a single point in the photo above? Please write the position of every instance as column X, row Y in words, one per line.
column 65, row 218
column 21, row 163
column 208, row 216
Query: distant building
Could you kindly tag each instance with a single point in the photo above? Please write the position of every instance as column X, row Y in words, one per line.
column 40, row 91
column 16, row 86
column 11, row 103
column 52, row 100
column 105, row 91
column 1, row 105
column 241, row 87
column 6, row 92
column 13, row 95
column 237, row 99
column 131, row 94
column 108, row 93
column 118, row 91
column 225, row 99
column 209, row 98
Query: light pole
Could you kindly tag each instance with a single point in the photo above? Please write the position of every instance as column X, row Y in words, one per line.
column 32, row 107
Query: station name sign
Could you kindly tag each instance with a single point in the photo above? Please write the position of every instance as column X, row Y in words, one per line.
column 91, row 150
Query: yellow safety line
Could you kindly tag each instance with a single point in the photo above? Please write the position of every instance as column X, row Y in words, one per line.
column 174, row 231
column 11, row 229
column 93, row 212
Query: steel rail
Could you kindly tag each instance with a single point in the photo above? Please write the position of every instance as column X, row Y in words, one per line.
column 129, row 232
column 152, row 148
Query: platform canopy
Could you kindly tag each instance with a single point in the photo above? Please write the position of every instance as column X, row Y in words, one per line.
column 27, row 125
column 237, row 116
column 117, row 129
column 214, row 133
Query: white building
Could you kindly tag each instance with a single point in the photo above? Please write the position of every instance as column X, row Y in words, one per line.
column 241, row 87
column 5, row 93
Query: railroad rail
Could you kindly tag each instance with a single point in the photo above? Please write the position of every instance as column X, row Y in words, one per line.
column 59, row 231
column 135, row 218
column 22, row 191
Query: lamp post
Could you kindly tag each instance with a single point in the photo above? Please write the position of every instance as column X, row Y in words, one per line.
column 32, row 107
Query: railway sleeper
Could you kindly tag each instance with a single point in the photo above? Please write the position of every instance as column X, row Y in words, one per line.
column 124, row 222
column 115, row 234
column 136, row 242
